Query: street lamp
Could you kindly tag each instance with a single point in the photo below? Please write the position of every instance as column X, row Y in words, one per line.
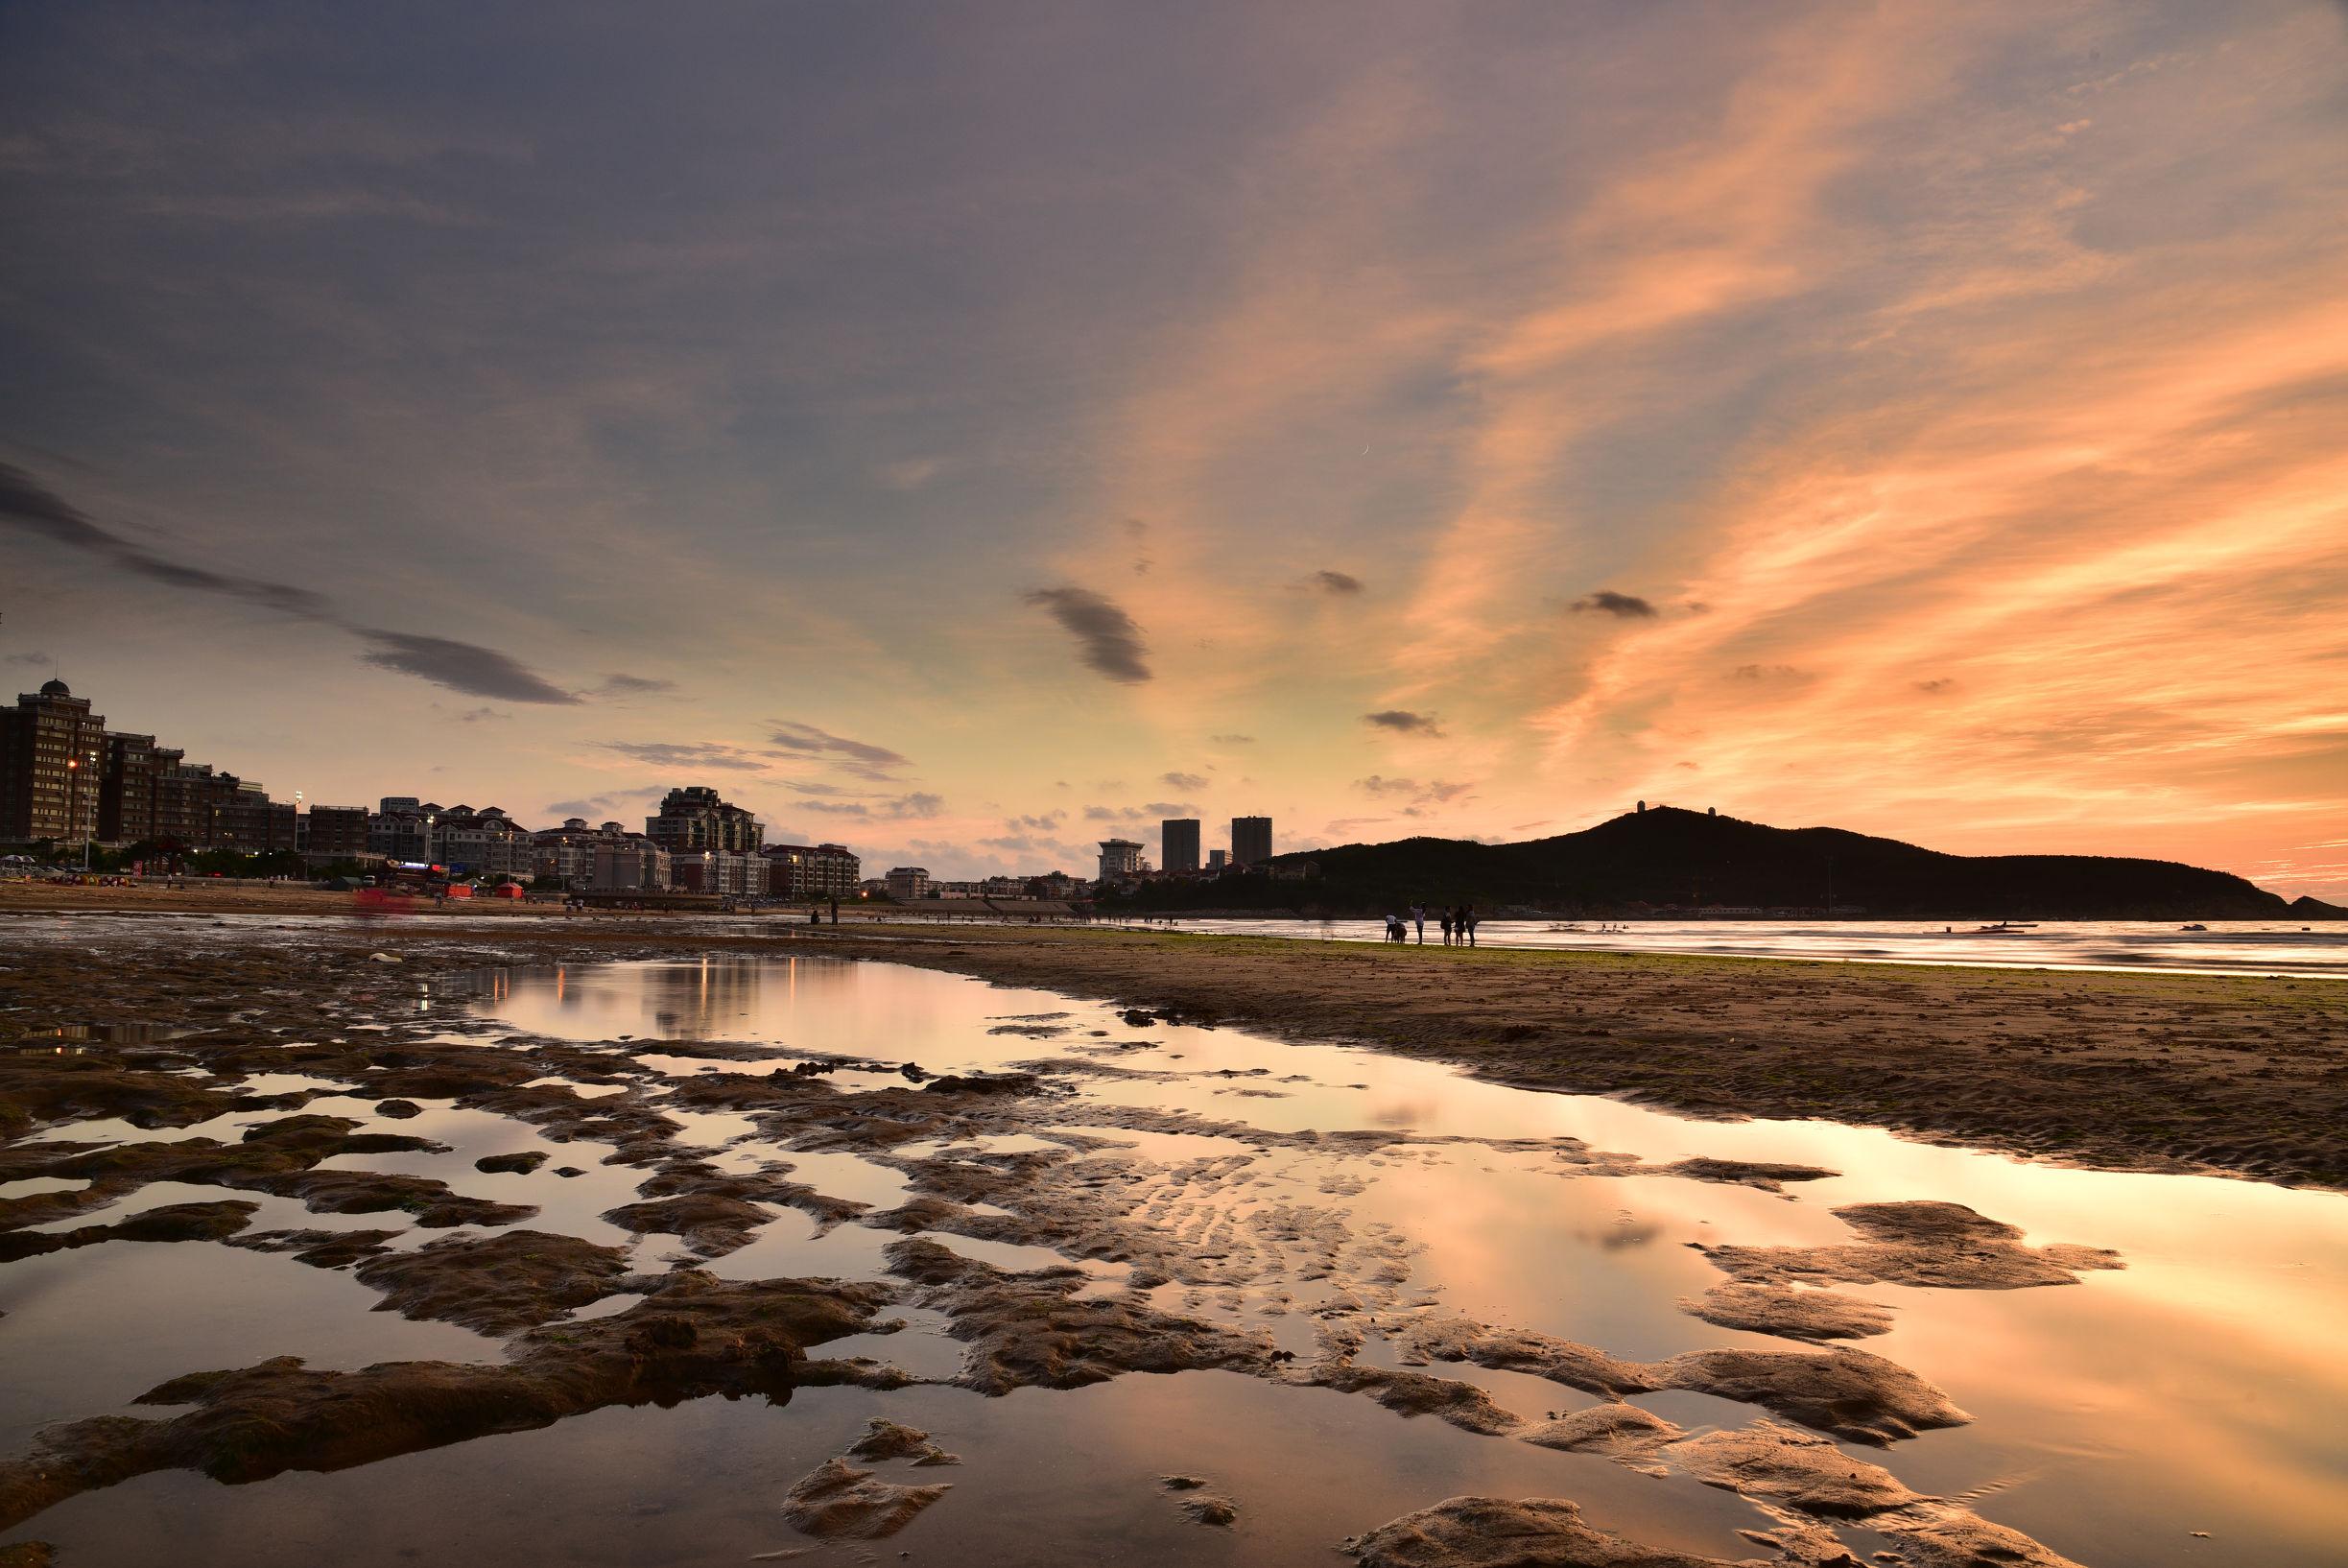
column 73, row 805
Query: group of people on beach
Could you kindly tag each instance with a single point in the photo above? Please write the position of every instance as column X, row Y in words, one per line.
column 1458, row 925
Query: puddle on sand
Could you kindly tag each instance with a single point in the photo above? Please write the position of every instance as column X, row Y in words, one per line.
column 87, row 1331
column 1276, row 1189
column 1045, row 1478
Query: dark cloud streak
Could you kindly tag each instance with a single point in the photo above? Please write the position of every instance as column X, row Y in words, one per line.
column 459, row 666
column 857, row 756
column 1404, row 722
column 1606, row 601
column 1108, row 639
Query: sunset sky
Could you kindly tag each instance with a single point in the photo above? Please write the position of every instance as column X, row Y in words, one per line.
column 964, row 433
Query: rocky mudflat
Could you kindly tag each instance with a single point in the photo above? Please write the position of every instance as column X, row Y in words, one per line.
column 766, row 1203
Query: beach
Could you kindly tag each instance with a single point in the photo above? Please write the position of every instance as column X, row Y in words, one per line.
column 2245, row 1076
column 1299, row 1245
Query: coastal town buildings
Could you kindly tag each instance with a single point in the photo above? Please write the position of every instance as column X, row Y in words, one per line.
column 64, row 777
column 1250, row 840
column 1178, row 843
column 241, row 815
column 52, row 749
column 810, row 872
column 125, row 796
column 483, row 842
column 1121, row 859
column 906, row 883
column 402, row 828
column 564, row 856
column 633, row 863
column 721, row 872
column 694, row 818
column 332, row 833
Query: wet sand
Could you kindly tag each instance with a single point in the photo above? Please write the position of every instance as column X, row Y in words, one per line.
column 639, row 1186
column 2247, row 1076
column 2238, row 1075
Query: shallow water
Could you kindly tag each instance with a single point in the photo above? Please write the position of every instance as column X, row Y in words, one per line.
column 2282, row 947
column 2196, row 1389
column 2227, row 947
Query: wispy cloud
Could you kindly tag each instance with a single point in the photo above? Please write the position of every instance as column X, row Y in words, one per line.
column 686, row 755
column 628, row 685
column 860, row 757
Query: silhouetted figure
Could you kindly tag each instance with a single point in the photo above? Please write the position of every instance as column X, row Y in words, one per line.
column 1467, row 924
column 1418, row 918
column 1445, row 920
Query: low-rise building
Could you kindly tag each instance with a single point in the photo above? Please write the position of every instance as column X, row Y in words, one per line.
column 633, row 863
column 906, row 883
column 719, row 872
column 331, row 833
column 245, row 817
column 804, row 872
column 564, row 856
column 404, row 828
column 482, row 843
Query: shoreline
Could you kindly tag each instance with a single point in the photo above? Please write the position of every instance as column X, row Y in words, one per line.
column 2236, row 1075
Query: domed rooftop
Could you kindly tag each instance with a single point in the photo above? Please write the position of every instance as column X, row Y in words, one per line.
column 54, row 688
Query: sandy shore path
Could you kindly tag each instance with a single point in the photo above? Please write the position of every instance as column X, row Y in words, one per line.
column 2244, row 1076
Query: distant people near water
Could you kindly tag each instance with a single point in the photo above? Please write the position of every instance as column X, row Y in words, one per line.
column 1467, row 923
column 1394, row 928
column 1444, row 918
column 1418, row 918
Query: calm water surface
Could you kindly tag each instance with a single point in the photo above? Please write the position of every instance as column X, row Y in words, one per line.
column 2226, row 947
column 2197, row 1390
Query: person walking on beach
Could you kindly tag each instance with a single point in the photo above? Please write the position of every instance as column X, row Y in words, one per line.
column 1467, row 924
column 1445, row 916
column 1418, row 918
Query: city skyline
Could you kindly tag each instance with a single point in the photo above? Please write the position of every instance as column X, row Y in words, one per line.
column 1457, row 423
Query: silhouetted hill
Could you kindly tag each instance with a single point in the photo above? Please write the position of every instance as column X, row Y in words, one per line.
column 1667, row 857
column 2307, row 906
